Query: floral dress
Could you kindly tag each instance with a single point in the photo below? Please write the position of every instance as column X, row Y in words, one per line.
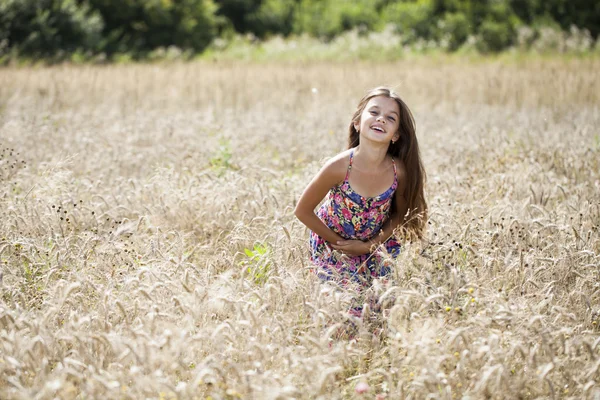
column 353, row 216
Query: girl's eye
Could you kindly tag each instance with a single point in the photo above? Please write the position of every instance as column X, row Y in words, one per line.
column 392, row 119
column 373, row 112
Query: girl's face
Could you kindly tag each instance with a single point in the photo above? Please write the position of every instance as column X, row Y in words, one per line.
column 379, row 120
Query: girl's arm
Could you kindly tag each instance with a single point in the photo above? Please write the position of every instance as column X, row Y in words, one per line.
column 332, row 173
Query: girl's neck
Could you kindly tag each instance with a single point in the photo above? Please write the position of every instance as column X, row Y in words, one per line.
column 370, row 158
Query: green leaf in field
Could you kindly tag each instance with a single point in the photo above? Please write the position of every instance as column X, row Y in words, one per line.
column 258, row 262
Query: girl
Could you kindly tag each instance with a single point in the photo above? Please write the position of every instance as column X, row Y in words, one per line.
column 371, row 191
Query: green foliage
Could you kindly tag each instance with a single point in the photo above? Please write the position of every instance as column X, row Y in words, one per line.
column 329, row 18
column 313, row 17
column 497, row 31
column 494, row 36
column 258, row 17
column 83, row 30
column 238, row 12
column 47, row 27
column 581, row 13
column 454, row 29
column 357, row 14
column 273, row 17
column 221, row 160
column 140, row 26
column 258, row 263
column 412, row 19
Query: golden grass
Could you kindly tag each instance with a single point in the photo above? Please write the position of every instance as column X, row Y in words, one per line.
column 149, row 249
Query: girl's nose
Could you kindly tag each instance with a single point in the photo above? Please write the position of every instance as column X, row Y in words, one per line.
column 380, row 118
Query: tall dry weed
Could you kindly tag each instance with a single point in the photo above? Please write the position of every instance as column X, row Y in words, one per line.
column 149, row 248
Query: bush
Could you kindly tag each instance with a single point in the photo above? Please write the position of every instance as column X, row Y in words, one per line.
column 273, row 17
column 493, row 36
column 411, row 19
column 328, row 18
column 453, row 30
column 194, row 24
column 140, row 26
column 48, row 27
column 83, row 30
column 362, row 14
column 314, row 18
column 238, row 13
column 498, row 29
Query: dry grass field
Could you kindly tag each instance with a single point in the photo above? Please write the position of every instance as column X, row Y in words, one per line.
column 148, row 246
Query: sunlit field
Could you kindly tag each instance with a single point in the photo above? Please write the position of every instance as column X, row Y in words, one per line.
column 149, row 249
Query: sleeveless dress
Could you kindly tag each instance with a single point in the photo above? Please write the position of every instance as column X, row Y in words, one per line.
column 353, row 216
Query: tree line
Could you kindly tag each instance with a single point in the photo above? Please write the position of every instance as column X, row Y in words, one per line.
column 54, row 28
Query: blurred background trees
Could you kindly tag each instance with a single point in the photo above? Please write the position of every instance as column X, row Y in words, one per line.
column 56, row 28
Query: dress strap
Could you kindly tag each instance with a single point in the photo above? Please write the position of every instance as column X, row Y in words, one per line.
column 350, row 165
column 395, row 174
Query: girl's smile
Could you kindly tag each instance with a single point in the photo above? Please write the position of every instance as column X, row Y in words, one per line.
column 378, row 128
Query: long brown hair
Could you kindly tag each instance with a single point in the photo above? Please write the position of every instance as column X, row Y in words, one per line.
column 406, row 148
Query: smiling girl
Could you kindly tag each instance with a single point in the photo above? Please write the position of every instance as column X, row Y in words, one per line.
column 372, row 191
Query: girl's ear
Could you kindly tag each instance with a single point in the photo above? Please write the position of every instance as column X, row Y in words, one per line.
column 357, row 126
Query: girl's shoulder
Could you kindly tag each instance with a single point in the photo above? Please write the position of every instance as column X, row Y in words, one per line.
column 339, row 163
column 334, row 171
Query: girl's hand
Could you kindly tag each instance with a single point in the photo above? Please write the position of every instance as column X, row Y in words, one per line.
column 352, row 247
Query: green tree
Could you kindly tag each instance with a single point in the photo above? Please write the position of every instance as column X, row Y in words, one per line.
column 273, row 17
column 584, row 14
column 412, row 19
column 43, row 28
column 454, row 27
column 142, row 25
column 239, row 13
column 498, row 29
column 327, row 18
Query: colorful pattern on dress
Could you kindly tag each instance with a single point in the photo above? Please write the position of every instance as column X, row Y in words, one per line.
column 353, row 216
